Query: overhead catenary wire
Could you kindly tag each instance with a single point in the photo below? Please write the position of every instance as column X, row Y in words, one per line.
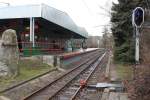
column 87, row 7
column 90, row 12
column 102, row 25
column 8, row 4
column 109, row 12
column 106, row 15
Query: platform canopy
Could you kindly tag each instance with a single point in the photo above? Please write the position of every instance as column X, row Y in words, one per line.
column 43, row 11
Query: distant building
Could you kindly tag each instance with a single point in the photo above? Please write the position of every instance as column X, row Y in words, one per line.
column 94, row 41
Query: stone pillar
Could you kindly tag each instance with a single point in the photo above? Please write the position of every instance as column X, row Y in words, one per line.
column 9, row 54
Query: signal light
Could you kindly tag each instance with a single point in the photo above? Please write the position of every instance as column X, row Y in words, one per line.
column 138, row 16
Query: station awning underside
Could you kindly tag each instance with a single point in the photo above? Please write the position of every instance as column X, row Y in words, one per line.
column 51, row 18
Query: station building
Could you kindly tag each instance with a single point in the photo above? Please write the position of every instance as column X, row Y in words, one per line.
column 42, row 29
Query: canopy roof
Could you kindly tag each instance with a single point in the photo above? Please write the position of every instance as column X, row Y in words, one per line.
column 43, row 11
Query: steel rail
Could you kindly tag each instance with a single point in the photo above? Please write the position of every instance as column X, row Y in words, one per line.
column 95, row 66
column 41, row 89
column 49, row 85
column 73, row 78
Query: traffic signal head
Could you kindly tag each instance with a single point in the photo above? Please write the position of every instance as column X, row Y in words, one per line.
column 138, row 16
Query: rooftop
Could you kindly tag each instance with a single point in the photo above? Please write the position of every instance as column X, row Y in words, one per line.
column 42, row 11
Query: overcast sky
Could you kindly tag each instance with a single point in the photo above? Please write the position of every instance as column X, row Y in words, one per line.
column 90, row 14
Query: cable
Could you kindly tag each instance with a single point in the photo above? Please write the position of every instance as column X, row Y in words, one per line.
column 104, row 14
column 87, row 6
column 8, row 4
column 101, row 25
column 109, row 12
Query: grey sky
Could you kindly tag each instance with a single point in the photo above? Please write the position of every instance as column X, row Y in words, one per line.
column 90, row 14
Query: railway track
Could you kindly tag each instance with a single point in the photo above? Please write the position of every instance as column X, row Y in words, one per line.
column 98, row 75
column 49, row 91
column 90, row 92
column 73, row 89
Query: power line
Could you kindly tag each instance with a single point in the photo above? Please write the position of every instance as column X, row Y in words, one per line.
column 104, row 14
column 107, row 15
column 87, row 6
column 109, row 12
column 101, row 25
column 8, row 4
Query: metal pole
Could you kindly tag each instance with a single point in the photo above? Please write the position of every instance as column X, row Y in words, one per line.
column 30, row 29
column 98, row 43
column 33, row 33
column 137, row 46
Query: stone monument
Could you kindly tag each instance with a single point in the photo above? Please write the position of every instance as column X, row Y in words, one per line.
column 9, row 53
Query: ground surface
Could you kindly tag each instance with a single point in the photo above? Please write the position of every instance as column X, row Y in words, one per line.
column 28, row 68
column 119, row 72
column 31, row 86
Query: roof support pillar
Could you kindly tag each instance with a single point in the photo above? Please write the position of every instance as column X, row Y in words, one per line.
column 32, row 33
column 31, row 29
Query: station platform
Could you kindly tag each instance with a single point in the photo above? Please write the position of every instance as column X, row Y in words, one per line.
column 61, row 59
column 77, row 52
column 114, row 96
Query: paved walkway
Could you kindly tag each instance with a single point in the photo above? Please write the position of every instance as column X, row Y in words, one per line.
column 114, row 96
column 112, row 69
